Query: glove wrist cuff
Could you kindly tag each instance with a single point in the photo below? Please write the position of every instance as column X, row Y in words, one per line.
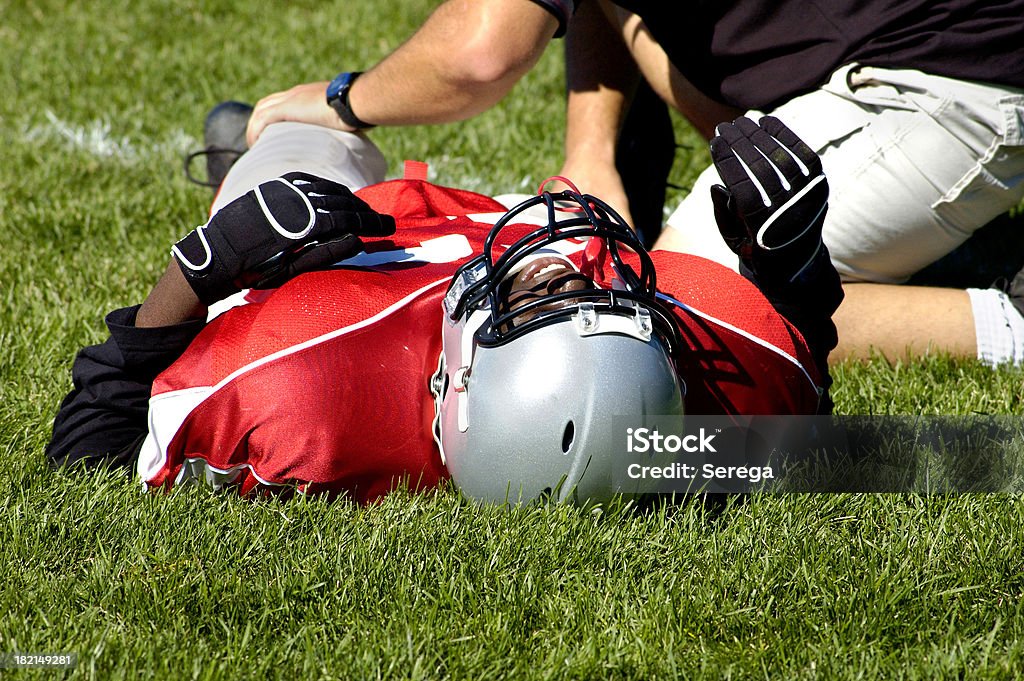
column 196, row 260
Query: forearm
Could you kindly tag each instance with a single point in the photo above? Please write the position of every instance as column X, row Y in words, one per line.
column 172, row 301
column 809, row 305
column 601, row 77
column 464, row 59
column 770, row 212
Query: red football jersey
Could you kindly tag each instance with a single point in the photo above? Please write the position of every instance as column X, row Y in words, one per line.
column 323, row 384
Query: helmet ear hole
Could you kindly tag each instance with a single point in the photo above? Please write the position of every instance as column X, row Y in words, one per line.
column 568, row 436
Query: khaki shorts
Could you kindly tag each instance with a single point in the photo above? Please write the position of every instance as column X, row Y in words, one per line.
column 347, row 158
column 916, row 163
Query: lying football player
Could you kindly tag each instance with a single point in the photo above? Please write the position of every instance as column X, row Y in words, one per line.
column 308, row 338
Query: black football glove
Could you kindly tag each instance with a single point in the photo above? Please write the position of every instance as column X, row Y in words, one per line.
column 772, row 208
column 285, row 226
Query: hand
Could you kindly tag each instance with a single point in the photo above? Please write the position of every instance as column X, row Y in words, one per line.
column 600, row 180
column 772, row 207
column 306, row 103
column 286, row 226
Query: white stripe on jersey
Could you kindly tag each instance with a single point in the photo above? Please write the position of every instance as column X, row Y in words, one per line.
column 168, row 411
column 749, row 336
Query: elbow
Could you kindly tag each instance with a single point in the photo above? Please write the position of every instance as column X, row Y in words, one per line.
column 485, row 47
column 484, row 67
column 489, row 58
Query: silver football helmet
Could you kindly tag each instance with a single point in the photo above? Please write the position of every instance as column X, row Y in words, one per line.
column 537, row 360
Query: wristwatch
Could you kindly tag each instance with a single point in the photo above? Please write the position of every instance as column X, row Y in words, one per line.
column 337, row 98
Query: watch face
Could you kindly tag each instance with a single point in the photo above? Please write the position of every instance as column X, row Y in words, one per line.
column 337, row 98
column 337, row 85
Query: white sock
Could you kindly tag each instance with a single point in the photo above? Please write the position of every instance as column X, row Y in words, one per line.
column 998, row 327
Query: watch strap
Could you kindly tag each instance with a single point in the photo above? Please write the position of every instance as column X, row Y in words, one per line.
column 338, row 100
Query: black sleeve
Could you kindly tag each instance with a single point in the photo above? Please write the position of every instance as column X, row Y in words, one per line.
column 562, row 10
column 102, row 421
column 808, row 303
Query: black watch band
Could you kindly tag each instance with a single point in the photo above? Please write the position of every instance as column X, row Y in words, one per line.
column 337, row 98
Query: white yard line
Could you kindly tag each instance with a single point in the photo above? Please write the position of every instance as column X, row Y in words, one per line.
column 96, row 139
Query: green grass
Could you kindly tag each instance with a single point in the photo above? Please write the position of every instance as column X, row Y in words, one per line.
column 101, row 101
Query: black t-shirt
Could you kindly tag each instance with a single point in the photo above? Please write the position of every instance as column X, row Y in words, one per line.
column 755, row 54
column 562, row 9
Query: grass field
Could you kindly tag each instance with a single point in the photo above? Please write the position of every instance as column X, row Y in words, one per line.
column 101, row 102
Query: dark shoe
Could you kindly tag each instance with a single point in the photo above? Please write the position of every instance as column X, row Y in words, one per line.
column 993, row 253
column 224, row 140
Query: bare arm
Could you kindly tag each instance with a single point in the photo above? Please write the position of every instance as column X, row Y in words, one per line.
column 172, row 301
column 601, row 77
column 462, row 61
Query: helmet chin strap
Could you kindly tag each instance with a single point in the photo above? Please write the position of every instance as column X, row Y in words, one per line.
column 437, row 390
column 460, row 377
column 595, row 258
column 458, row 347
column 596, row 263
